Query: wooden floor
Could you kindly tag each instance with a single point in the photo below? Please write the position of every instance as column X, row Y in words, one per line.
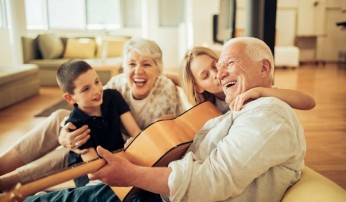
column 325, row 125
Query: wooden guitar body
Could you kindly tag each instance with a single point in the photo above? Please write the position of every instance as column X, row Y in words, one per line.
column 157, row 145
column 165, row 141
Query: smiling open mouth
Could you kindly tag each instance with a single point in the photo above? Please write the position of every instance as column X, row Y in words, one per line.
column 230, row 84
column 139, row 81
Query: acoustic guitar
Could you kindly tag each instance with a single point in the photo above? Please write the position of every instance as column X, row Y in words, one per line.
column 157, row 145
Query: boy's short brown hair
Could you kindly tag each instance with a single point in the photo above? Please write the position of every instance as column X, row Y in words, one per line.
column 68, row 72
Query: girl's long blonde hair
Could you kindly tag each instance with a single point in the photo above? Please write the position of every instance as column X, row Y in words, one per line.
column 187, row 80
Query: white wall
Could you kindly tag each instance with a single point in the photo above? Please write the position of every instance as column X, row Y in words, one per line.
column 5, row 50
column 334, row 39
column 174, row 41
column 202, row 21
column 10, row 38
column 286, row 18
column 166, row 37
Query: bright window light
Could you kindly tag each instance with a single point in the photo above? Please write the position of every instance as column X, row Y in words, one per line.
column 35, row 15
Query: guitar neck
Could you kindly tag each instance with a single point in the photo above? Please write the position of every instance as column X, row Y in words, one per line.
column 22, row 191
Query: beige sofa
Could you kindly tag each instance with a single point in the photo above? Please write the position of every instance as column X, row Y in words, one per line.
column 48, row 51
column 17, row 82
column 314, row 187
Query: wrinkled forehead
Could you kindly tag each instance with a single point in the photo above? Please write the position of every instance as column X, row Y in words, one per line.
column 230, row 52
column 139, row 56
column 225, row 56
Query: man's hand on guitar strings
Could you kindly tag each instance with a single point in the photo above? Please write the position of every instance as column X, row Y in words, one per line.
column 117, row 170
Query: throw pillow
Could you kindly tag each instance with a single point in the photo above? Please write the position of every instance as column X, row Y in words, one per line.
column 50, row 46
column 80, row 48
column 110, row 47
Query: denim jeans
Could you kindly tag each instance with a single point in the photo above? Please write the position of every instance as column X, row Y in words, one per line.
column 95, row 193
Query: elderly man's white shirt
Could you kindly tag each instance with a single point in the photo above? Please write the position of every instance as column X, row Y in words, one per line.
column 251, row 155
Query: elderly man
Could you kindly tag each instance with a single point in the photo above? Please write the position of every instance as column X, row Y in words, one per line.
column 250, row 155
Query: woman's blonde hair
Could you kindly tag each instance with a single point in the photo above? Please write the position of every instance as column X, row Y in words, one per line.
column 144, row 47
column 187, row 80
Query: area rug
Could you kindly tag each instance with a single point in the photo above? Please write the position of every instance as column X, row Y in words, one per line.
column 62, row 104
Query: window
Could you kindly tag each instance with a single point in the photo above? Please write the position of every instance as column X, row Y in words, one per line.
column 35, row 16
column 103, row 14
column 76, row 14
column 66, row 14
column 2, row 14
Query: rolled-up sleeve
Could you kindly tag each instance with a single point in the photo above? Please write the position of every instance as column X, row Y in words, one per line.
column 181, row 174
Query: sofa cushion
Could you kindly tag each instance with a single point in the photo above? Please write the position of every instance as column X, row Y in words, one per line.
column 10, row 73
column 17, row 82
column 110, row 47
column 80, row 48
column 314, row 187
column 50, row 45
column 30, row 49
column 52, row 64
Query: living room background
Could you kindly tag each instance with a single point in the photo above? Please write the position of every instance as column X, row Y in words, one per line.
column 191, row 24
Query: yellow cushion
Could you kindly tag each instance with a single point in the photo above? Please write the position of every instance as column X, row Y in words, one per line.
column 315, row 188
column 80, row 48
column 110, row 47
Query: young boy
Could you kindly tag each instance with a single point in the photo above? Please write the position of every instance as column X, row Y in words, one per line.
column 102, row 110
